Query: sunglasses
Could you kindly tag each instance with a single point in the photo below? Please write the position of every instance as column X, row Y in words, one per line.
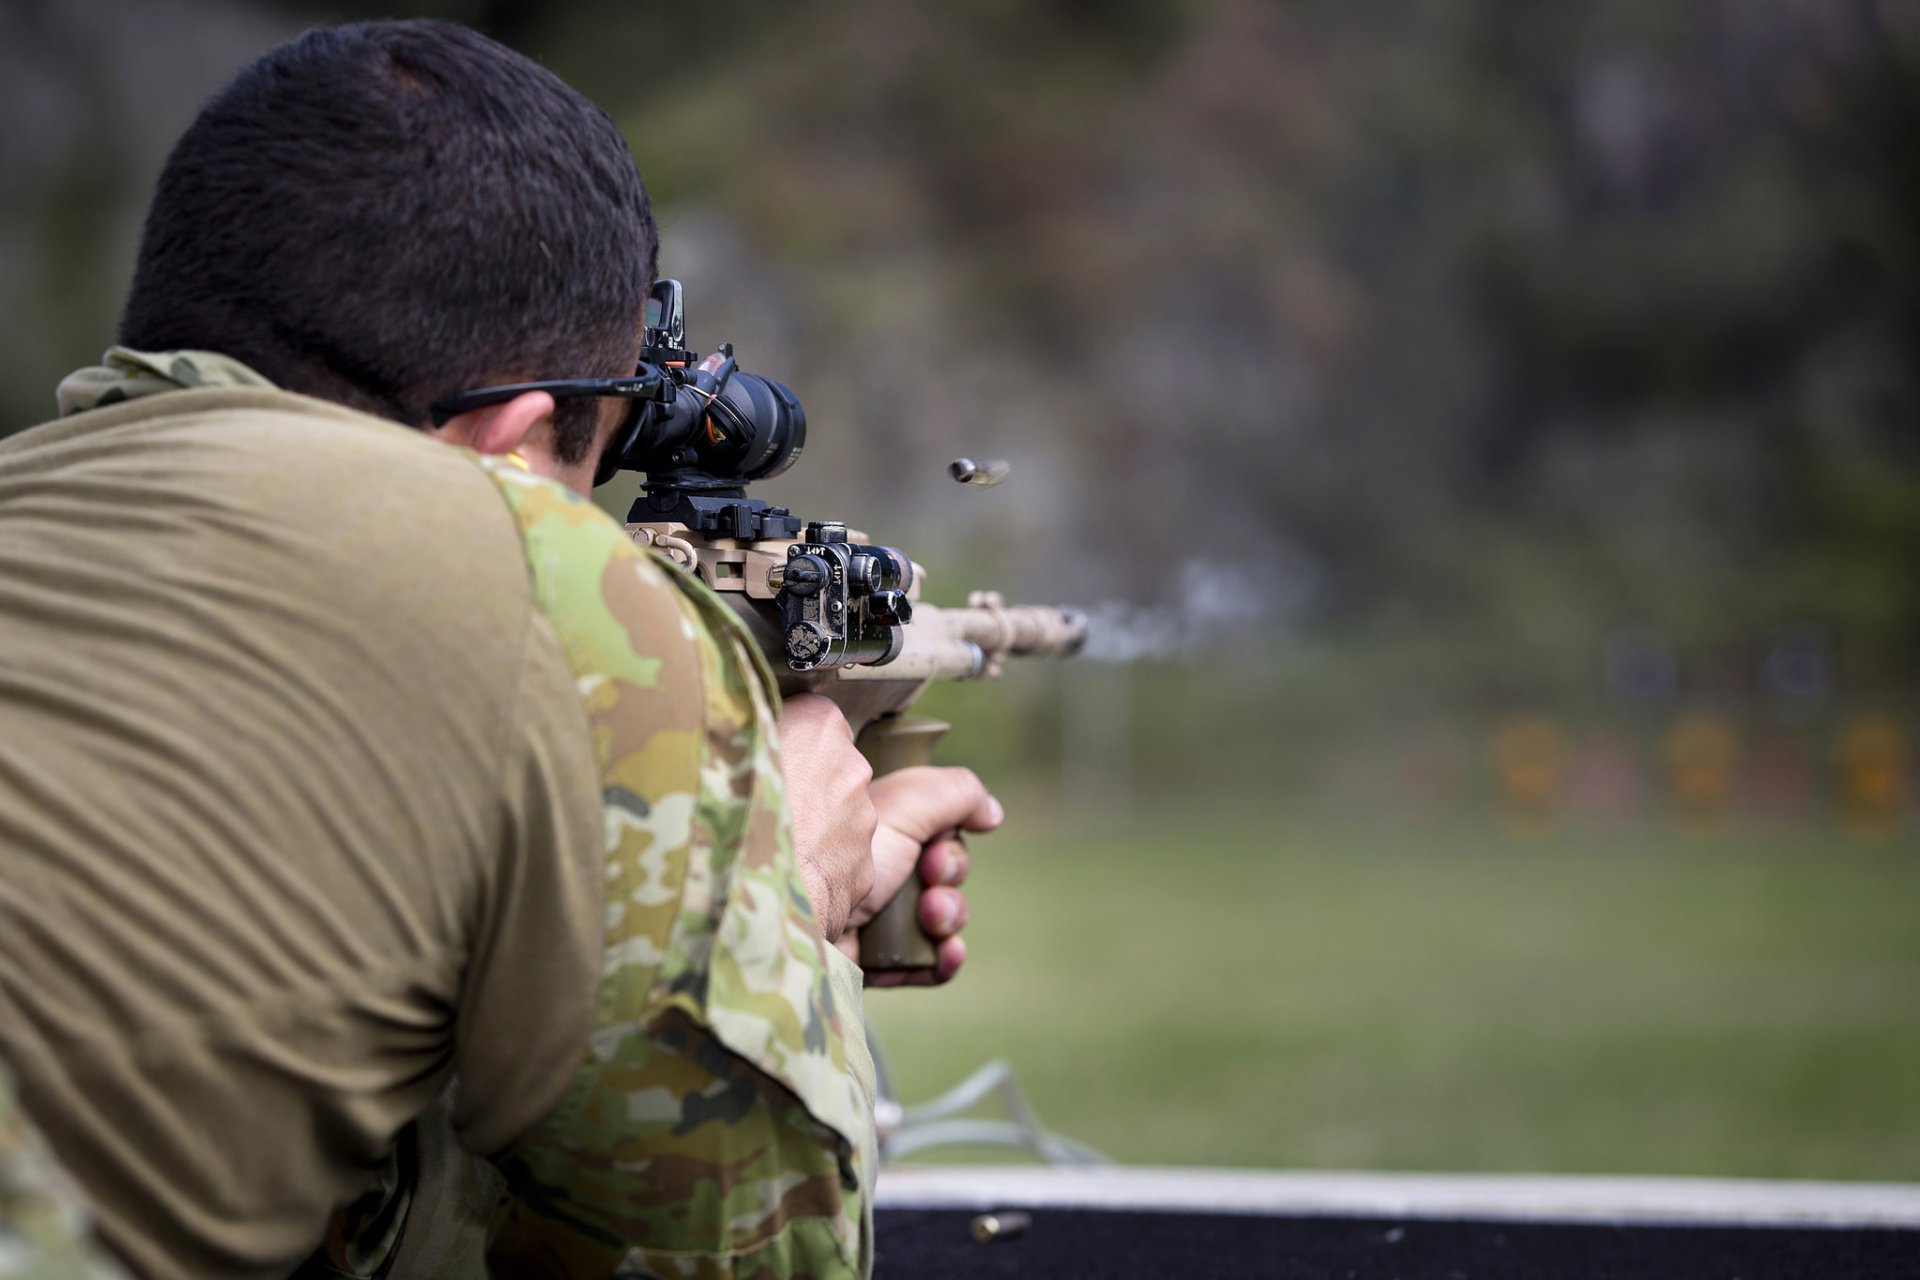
column 643, row 385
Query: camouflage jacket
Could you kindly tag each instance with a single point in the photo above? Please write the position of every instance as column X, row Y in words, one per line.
column 720, row 1122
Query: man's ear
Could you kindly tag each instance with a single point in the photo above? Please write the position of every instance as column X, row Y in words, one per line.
column 498, row 428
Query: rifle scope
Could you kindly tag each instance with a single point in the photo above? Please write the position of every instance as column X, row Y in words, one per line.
column 716, row 426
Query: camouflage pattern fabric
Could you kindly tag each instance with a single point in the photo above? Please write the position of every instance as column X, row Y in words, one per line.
column 718, row 1126
column 125, row 374
column 44, row 1223
column 721, row 1122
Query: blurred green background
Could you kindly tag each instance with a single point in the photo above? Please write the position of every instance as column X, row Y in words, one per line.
column 1483, row 432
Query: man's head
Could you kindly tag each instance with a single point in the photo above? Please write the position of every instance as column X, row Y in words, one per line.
column 386, row 213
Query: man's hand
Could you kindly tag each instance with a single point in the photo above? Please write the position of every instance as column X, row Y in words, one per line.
column 921, row 813
column 833, row 815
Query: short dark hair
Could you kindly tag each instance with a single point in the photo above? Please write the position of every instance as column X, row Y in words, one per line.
column 384, row 213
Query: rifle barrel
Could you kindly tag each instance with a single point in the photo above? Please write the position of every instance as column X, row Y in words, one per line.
column 968, row 643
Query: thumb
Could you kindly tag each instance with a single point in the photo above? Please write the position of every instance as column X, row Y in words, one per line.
column 926, row 800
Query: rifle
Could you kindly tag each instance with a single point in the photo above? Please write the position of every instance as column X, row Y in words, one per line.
column 833, row 612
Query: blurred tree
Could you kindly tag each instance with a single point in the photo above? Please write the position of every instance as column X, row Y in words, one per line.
column 1456, row 334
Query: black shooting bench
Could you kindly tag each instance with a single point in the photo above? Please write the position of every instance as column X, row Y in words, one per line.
column 1138, row 1222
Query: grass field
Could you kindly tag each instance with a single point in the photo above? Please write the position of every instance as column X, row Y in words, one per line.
column 1233, row 993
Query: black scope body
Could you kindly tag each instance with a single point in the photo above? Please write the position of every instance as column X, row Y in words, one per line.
column 715, row 427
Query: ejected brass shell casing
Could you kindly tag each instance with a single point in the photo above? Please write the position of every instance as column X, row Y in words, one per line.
column 989, row 1227
column 985, row 473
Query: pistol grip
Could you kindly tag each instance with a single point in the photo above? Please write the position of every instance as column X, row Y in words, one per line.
column 893, row 939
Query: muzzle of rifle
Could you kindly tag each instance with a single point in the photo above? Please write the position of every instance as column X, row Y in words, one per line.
column 1028, row 630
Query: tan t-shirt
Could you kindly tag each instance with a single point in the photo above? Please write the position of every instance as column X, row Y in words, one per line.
column 299, row 814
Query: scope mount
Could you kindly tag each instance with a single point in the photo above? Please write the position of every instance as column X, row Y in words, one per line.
column 722, row 511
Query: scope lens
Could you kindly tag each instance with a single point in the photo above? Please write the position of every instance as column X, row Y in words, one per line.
column 778, row 427
column 755, row 428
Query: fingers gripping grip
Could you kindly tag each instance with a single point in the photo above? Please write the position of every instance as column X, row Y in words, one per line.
column 893, row 939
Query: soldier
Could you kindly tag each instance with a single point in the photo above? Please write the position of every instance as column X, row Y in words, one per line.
column 340, row 764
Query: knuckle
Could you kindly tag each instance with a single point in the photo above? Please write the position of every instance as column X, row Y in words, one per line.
column 964, row 784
